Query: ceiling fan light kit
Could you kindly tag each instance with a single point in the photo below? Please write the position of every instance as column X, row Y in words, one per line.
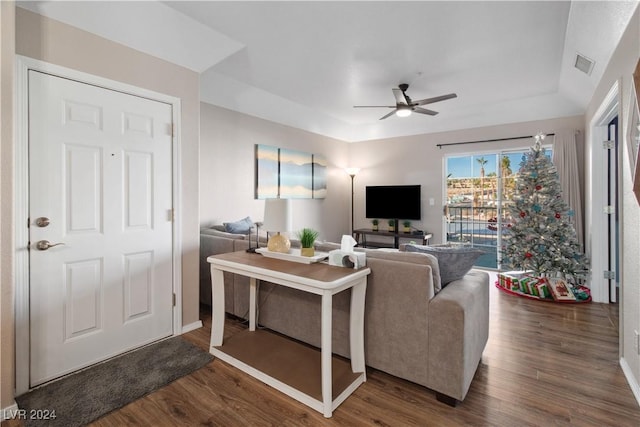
column 405, row 106
column 403, row 112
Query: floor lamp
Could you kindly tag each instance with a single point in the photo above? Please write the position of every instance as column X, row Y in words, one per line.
column 352, row 173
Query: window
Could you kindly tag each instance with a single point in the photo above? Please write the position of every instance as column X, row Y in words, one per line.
column 479, row 188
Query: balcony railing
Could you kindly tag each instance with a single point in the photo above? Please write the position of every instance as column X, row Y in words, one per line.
column 478, row 226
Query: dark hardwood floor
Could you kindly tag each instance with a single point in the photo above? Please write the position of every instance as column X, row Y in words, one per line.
column 545, row 364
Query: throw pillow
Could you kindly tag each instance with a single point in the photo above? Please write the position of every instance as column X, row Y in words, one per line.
column 454, row 261
column 242, row 226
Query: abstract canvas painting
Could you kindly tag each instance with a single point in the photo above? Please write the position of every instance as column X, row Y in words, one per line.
column 319, row 176
column 267, row 163
column 289, row 174
column 295, row 174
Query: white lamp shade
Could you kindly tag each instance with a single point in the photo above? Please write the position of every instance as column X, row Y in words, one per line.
column 277, row 215
column 352, row 171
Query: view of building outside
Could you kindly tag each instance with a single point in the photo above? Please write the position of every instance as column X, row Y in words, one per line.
column 478, row 189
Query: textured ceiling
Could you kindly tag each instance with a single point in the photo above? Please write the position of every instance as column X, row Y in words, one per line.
column 305, row 64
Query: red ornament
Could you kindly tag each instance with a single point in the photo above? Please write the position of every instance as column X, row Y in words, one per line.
column 538, row 187
column 558, row 215
column 528, row 255
column 522, row 214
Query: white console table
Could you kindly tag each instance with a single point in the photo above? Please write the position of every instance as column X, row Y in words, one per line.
column 284, row 364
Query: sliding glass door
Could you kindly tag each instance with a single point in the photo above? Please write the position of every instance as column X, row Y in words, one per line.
column 479, row 188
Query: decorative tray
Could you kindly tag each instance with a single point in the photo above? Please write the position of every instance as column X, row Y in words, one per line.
column 293, row 255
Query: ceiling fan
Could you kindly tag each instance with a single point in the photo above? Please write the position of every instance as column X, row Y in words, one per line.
column 405, row 106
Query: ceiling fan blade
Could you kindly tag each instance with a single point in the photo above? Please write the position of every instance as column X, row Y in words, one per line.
column 435, row 99
column 424, row 111
column 388, row 115
column 374, row 106
column 400, row 97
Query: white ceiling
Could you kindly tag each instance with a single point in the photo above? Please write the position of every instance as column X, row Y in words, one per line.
column 305, row 64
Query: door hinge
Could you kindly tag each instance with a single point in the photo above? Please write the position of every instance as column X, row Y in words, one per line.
column 174, row 299
column 171, row 215
column 173, row 130
column 610, row 275
column 608, row 145
column 609, row 210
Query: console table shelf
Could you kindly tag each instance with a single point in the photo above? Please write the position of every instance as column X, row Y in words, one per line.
column 360, row 235
column 313, row 377
column 282, row 363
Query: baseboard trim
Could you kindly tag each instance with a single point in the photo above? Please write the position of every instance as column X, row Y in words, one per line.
column 633, row 382
column 192, row 326
column 10, row 412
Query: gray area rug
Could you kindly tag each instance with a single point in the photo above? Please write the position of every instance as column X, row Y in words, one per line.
column 87, row 395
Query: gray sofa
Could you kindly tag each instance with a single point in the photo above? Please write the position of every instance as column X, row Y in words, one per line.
column 412, row 332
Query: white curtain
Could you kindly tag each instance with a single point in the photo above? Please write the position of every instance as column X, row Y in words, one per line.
column 565, row 158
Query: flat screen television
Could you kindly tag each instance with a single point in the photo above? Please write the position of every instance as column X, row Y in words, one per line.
column 393, row 202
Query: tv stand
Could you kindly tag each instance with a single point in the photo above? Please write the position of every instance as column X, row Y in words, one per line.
column 360, row 235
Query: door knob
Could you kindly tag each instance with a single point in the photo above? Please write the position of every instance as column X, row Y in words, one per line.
column 43, row 221
column 43, row 245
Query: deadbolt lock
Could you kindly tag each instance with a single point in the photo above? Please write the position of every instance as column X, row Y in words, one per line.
column 43, row 221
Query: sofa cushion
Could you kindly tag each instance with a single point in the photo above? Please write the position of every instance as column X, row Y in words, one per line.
column 218, row 233
column 414, row 258
column 454, row 260
column 242, row 226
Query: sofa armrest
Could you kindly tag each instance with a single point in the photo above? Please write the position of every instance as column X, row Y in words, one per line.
column 458, row 332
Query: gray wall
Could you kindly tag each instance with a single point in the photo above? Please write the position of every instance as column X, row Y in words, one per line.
column 418, row 160
column 227, row 167
column 227, row 172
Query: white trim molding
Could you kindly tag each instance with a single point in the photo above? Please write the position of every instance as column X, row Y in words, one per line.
column 596, row 238
column 192, row 326
column 21, row 209
column 628, row 374
column 11, row 412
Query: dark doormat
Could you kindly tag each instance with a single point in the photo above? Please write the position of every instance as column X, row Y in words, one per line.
column 85, row 396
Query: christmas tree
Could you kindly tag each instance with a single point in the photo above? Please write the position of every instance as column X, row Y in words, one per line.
column 541, row 237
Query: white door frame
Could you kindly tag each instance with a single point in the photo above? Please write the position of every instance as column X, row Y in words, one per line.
column 596, row 231
column 21, row 202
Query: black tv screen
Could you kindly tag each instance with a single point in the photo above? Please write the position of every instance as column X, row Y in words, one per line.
column 393, row 202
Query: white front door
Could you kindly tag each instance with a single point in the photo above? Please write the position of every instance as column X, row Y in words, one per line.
column 100, row 183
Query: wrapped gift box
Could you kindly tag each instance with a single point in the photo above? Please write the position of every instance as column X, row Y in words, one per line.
column 543, row 289
column 560, row 290
column 528, row 285
column 511, row 279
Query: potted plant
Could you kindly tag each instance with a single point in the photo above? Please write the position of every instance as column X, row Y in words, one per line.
column 407, row 226
column 307, row 238
column 392, row 225
column 374, row 223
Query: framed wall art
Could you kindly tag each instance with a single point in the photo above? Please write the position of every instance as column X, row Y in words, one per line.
column 296, row 179
column 289, row 174
column 634, row 131
column 267, row 172
column 319, row 176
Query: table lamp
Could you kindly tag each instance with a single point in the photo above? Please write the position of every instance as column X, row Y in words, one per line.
column 277, row 218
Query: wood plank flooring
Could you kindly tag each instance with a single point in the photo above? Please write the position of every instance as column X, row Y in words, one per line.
column 545, row 364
